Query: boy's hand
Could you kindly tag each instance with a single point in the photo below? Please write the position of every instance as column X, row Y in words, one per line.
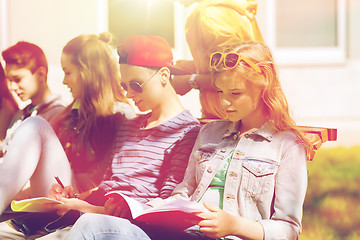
column 118, row 208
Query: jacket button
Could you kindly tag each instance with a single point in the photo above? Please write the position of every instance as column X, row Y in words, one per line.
column 229, row 197
column 239, row 153
column 209, row 170
column 233, row 174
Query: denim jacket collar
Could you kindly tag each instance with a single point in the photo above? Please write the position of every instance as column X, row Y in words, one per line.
column 266, row 131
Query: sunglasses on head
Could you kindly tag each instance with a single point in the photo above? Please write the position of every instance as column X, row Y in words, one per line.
column 135, row 86
column 230, row 60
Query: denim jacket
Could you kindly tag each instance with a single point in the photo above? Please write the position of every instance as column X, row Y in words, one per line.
column 266, row 179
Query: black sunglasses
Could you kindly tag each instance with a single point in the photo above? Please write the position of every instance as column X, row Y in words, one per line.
column 135, row 86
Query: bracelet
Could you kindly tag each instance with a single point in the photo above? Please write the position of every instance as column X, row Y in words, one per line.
column 192, row 82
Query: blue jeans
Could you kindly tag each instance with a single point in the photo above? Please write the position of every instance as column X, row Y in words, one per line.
column 92, row 226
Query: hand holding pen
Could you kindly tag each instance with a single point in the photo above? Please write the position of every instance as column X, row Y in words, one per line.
column 67, row 191
column 67, row 196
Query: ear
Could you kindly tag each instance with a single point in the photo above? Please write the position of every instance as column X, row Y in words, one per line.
column 42, row 73
column 164, row 75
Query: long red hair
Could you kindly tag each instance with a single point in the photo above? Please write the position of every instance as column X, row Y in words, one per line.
column 272, row 94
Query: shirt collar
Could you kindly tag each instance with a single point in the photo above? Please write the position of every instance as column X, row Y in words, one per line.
column 76, row 104
column 266, row 131
column 232, row 130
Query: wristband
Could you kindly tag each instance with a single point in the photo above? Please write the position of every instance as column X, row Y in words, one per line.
column 192, row 82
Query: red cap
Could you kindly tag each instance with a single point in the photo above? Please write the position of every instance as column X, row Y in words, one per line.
column 148, row 51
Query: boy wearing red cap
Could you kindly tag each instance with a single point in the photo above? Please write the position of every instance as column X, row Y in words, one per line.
column 151, row 151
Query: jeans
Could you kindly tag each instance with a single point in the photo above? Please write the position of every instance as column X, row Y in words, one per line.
column 92, row 226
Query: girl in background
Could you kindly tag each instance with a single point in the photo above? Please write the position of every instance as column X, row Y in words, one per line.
column 213, row 24
column 84, row 130
column 87, row 126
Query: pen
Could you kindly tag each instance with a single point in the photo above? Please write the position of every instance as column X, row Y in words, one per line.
column 62, row 185
column 59, row 181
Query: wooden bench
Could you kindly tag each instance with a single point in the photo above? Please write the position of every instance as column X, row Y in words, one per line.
column 316, row 135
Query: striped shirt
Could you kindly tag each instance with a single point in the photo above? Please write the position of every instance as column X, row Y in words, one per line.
column 150, row 163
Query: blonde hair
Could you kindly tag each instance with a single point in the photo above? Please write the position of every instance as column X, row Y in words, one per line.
column 272, row 94
column 100, row 79
column 216, row 23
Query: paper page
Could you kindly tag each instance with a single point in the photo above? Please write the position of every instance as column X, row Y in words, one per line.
column 177, row 214
column 181, row 205
column 33, row 205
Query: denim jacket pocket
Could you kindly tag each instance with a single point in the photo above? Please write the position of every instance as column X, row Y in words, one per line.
column 203, row 157
column 258, row 175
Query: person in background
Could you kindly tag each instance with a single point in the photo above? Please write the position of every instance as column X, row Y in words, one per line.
column 8, row 105
column 81, row 139
column 212, row 25
column 249, row 170
column 26, row 70
column 79, row 149
column 86, row 127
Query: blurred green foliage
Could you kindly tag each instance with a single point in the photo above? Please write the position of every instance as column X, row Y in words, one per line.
column 332, row 203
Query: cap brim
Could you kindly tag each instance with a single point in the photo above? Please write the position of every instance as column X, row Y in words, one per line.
column 177, row 71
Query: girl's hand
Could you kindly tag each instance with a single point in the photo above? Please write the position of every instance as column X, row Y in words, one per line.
column 57, row 192
column 217, row 223
column 118, row 208
column 74, row 203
